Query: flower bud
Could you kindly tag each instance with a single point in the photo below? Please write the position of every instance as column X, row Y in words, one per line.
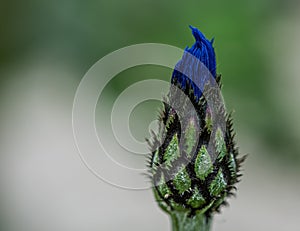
column 194, row 164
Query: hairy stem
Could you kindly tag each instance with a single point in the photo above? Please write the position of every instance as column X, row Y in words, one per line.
column 181, row 221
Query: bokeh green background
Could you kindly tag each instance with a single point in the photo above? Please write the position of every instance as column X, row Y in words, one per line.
column 257, row 49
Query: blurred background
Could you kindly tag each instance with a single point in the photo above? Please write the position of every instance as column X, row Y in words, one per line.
column 47, row 47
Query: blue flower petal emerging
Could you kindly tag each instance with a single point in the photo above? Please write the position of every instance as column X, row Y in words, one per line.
column 194, row 73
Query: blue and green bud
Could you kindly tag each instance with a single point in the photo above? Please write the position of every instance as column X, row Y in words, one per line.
column 194, row 165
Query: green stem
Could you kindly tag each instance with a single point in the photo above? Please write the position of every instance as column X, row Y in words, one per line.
column 182, row 222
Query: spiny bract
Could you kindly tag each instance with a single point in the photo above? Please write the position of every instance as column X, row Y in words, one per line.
column 193, row 164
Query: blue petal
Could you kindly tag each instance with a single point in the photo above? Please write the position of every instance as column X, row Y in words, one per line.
column 203, row 50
